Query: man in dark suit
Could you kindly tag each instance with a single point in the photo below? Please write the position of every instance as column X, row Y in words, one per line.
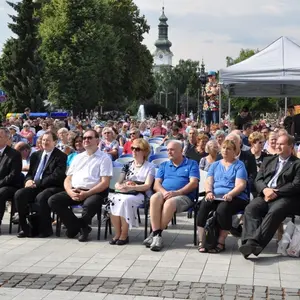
column 45, row 178
column 10, row 170
column 278, row 187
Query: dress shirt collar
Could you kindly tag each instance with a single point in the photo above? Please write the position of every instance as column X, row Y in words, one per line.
column 47, row 153
column 2, row 150
column 280, row 159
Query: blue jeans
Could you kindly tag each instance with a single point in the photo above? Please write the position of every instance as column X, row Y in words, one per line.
column 211, row 117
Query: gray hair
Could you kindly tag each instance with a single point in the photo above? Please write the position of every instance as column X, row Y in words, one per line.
column 210, row 144
column 219, row 133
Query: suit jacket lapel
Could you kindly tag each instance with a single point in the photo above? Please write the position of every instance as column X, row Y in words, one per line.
column 3, row 157
column 272, row 167
column 50, row 159
column 38, row 162
column 287, row 165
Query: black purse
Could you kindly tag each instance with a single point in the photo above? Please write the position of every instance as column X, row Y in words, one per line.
column 212, row 230
column 33, row 224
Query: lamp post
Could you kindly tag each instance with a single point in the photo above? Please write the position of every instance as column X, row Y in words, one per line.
column 202, row 76
column 166, row 93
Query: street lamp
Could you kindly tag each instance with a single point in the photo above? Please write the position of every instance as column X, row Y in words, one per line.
column 202, row 77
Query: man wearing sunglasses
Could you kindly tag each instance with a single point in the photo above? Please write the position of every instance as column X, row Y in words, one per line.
column 134, row 133
column 176, row 186
column 86, row 184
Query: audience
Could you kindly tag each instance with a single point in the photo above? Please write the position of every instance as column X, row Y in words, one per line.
column 109, row 144
column 212, row 148
column 197, row 152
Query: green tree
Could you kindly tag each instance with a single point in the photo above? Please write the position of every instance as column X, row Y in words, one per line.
column 22, row 69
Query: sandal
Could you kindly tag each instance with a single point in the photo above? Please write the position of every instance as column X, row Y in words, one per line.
column 201, row 249
column 218, row 249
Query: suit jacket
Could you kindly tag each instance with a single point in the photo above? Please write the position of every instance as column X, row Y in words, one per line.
column 55, row 170
column 288, row 182
column 10, row 168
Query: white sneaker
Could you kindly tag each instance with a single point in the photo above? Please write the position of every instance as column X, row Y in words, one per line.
column 148, row 241
column 157, row 243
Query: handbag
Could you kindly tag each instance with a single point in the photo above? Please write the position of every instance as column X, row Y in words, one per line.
column 211, row 230
column 32, row 220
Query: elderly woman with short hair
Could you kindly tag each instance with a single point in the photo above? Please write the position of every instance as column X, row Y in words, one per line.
column 136, row 178
column 257, row 141
column 197, row 152
column 212, row 148
column 220, row 137
column 272, row 139
column 108, row 143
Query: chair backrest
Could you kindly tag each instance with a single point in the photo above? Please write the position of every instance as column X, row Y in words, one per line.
column 203, row 176
column 156, row 156
column 124, row 160
column 125, row 155
column 115, row 177
column 160, row 149
column 155, row 141
column 120, row 151
column 158, row 161
column 154, row 146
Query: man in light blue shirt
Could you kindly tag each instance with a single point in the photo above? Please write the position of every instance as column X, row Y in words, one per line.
column 176, row 186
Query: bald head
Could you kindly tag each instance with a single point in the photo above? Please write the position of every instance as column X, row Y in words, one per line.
column 174, row 149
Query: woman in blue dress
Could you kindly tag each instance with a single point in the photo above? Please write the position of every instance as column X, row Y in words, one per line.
column 225, row 189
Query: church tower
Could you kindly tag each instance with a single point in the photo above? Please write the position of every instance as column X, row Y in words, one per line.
column 162, row 55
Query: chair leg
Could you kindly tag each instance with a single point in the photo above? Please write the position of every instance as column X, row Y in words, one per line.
column 293, row 219
column 139, row 217
column 99, row 216
column 146, row 221
column 195, row 226
column 58, row 226
column 109, row 226
column 11, row 216
column 106, row 228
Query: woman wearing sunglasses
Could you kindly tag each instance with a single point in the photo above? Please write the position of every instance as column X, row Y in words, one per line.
column 257, row 141
column 135, row 180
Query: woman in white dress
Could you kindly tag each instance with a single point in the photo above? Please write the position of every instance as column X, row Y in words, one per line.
column 135, row 181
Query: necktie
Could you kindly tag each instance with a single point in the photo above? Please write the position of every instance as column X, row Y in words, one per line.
column 273, row 181
column 41, row 168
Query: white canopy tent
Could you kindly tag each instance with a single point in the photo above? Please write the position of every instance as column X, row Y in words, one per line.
column 272, row 72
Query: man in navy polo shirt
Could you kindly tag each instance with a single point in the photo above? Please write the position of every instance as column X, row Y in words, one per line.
column 175, row 185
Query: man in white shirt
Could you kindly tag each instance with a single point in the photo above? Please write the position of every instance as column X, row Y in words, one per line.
column 86, row 184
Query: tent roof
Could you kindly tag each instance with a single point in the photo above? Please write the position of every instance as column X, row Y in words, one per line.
column 272, row 72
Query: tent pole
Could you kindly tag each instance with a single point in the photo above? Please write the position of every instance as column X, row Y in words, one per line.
column 285, row 106
column 229, row 108
column 220, row 103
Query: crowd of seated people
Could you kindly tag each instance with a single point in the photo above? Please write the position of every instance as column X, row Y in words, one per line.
column 51, row 165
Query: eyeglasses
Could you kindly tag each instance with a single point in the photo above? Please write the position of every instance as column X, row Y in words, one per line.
column 25, row 126
column 88, row 138
column 106, row 132
column 132, row 133
column 137, row 149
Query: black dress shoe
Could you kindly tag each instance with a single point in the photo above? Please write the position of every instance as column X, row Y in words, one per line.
column 84, row 234
column 23, row 234
column 113, row 242
column 71, row 234
column 45, row 235
column 250, row 248
column 122, row 242
column 236, row 231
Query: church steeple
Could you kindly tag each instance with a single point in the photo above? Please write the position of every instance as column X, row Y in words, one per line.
column 163, row 55
column 163, row 42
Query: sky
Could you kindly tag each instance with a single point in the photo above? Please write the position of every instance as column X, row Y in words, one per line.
column 211, row 30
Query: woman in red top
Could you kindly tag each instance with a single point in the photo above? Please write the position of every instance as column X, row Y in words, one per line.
column 27, row 133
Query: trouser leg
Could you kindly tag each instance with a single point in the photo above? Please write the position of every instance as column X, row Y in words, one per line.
column 6, row 193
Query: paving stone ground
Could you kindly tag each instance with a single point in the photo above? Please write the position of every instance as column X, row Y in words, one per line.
column 61, row 268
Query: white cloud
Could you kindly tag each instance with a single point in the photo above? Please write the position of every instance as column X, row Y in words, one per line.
column 216, row 29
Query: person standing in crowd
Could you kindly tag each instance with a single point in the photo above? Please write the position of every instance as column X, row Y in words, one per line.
column 289, row 119
column 136, row 176
column 27, row 133
column 87, row 185
column 176, row 186
column 158, row 130
column 278, row 187
column 242, row 118
column 211, row 101
column 247, row 130
column 10, row 171
column 134, row 133
column 197, row 152
column 109, row 144
column 45, row 178
column 26, row 114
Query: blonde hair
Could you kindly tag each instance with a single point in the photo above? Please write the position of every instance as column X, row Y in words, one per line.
column 144, row 145
column 254, row 137
column 229, row 144
column 210, row 145
column 108, row 129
